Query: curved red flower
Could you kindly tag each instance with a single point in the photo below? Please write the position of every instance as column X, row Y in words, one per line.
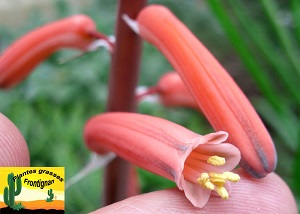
column 218, row 96
column 198, row 164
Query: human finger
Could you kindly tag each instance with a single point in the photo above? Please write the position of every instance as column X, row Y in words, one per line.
column 249, row 195
column 13, row 147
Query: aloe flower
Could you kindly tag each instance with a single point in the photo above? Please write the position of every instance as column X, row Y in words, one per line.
column 171, row 92
column 218, row 96
column 75, row 32
column 198, row 164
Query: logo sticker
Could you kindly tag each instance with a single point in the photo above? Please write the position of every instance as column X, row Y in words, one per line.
column 32, row 189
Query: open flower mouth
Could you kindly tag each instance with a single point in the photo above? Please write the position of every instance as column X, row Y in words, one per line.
column 207, row 170
column 209, row 180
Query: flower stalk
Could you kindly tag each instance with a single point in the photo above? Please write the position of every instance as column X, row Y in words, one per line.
column 120, row 180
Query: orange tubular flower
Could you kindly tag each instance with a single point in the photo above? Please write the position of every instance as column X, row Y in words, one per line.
column 78, row 32
column 172, row 92
column 216, row 93
column 198, row 164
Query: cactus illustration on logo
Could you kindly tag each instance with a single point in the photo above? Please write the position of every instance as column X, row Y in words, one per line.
column 10, row 192
column 51, row 196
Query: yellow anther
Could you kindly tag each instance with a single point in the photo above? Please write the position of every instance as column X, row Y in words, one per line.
column 204, row 181
column 222, row 192
column 233, row 177
column 215, row 181
column 209, row 185
column 217, row 178
column 204, row 176
column 216, row 160
column 217, row 175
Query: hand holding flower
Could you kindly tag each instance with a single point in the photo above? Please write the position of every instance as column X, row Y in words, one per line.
column 266, row 195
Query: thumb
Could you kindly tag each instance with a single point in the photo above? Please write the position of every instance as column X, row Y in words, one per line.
column 249, row 195
column 13, row 147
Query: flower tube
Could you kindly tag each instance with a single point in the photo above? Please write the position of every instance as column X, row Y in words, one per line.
column 198, row 164
column 218, row 96
column 19, row 59
column 171, row 91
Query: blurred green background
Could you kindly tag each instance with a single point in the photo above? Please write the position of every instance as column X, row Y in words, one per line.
column 256, row 41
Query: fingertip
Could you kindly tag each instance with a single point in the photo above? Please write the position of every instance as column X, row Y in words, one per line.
column 249, row 195
column 266, row 195
column 13, row 147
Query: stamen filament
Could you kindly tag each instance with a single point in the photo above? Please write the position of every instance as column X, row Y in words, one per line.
column 194, row 162
column 190, row 173
column 201, row 166
column 199, row 156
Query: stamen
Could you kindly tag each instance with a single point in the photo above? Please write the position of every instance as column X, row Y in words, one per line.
column 204, row 181
column 216, row 181
column 221, row 190
column 217, row 178
column 233, row 177
column 216, row 160
column 217, row 175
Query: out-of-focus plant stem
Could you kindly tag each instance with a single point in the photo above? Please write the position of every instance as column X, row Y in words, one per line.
column 119, row 177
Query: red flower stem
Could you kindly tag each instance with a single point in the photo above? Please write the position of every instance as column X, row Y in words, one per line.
column 118, row 176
